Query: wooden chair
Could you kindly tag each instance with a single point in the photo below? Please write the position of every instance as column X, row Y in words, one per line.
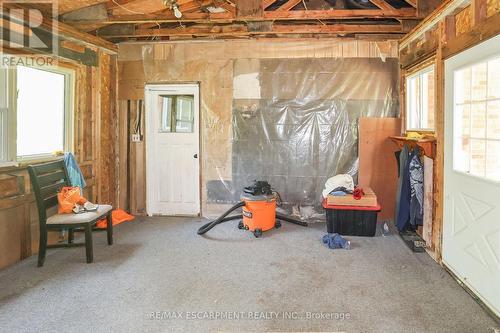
column 47, row 179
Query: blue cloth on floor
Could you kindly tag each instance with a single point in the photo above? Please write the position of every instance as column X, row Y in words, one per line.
column 74, row 173
column 335, row 241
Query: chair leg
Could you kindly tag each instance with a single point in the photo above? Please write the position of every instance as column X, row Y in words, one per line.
column 109, row 229
column 88, row 243
column 71, row 235
column 42, row 247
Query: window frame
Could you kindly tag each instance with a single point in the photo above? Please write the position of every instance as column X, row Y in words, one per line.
column 69, row 104
column 427, row 68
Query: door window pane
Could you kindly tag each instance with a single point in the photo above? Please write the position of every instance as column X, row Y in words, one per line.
column 476, row 120
column 178, row 110
column 494, row 78
column 493, row 160
column 185, row 119
column 166, row 113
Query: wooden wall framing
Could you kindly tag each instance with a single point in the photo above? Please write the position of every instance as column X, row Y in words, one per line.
column 95, row 138
column 454, row 27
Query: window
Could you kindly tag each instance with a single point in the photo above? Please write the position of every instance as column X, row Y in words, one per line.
column 35, row 112
column 420, row 100
column 476, row 119
column 178, row 110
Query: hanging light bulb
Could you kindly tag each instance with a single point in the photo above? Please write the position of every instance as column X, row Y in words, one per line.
column 177, row 12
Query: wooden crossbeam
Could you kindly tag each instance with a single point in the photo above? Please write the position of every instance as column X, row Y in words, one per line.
column 71, row 34
column 288, row 5
column 338, row 14
column 382, row 4
column 242, row 30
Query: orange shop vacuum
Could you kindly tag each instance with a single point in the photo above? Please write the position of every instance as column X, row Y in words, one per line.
column 258, row 204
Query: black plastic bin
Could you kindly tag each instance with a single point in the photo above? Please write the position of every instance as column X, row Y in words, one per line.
column 352, row 220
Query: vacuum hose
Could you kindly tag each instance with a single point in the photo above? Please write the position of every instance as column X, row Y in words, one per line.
column 222, row 218
column 290, row 220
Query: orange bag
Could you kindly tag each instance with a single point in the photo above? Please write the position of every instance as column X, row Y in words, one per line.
column 67, row 197
column 117, row 216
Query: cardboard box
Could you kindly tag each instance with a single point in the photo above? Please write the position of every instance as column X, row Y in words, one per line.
column 367, row 200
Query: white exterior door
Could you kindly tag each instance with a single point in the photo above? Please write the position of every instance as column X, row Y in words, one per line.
column 471, row 228
column 172, row 150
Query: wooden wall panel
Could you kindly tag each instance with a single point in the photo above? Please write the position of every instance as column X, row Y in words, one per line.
column 377, row 162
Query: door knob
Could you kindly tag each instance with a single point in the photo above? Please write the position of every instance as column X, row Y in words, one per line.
column 195, row 155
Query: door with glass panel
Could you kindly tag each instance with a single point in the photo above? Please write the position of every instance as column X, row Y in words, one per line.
column 172, row 149
column 471, row 227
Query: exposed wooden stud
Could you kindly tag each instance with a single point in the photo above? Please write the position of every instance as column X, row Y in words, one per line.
column 478, row 11
column 450, row 31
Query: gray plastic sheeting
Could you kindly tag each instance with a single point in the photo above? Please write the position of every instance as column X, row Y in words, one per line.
column 295, row 122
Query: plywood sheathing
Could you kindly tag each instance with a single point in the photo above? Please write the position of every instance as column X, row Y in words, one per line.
column 211, row 64
column 377, row 162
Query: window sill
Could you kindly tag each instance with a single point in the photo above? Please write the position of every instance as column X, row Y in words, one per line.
column 22, row 163
column 8, row 164
column 36, row 159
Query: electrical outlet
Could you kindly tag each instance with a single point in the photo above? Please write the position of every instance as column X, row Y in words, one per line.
column 136, row 138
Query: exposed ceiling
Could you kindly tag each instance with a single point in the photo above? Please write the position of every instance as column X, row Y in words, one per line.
column 125, row 20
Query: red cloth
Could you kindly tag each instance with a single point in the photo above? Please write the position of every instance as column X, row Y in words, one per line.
column 358, row 193
column 117, row 216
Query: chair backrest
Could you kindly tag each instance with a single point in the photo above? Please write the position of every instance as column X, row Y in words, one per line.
column 47, row 179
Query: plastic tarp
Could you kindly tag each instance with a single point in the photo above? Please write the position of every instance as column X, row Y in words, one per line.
column 295, row 121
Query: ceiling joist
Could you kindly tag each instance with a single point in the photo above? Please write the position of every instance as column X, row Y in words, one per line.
column 242, row 30
column 337, row 14
column 138, row 19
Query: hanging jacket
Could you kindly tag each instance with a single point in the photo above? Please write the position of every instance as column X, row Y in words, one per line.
column 417, row 190
column 402, row 158
column 405, row 195
column 74, row 173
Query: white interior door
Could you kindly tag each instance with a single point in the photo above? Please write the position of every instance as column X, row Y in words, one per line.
column 172, row 150
column 471, row 228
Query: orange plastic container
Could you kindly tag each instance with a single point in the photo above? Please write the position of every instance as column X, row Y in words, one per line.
column 259, row 214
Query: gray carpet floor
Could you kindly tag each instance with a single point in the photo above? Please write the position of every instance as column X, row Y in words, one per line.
column 160, row 276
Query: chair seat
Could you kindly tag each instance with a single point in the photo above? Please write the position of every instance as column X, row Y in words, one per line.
column 79, row 218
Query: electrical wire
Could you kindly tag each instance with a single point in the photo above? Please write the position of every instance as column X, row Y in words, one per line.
column 126, row 9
